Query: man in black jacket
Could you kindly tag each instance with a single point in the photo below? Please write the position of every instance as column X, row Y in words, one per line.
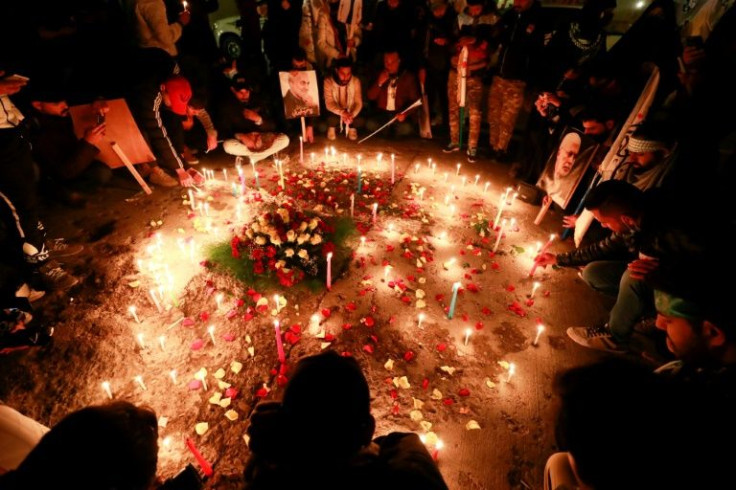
column 645, row 244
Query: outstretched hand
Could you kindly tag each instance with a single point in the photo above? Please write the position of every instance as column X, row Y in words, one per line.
column 639, row 269
column 545, row 259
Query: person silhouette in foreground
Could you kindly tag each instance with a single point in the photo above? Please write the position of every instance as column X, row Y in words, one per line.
column 321, row 436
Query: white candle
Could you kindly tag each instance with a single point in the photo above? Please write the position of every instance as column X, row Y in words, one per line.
column 500, row 234
column 224, row 174
column 362, row 241
column 329, row 270
column 393, row 167
column 445, row 176
column 108, row 390
column 458, row 169
column 131, row 310
column 311, row 156
column 540, row 329
column 139, row 379
column 200, row 376
column 172, row 375
column 218, row 300
column 386, row 270
column 162, row 342
column 463, row 180
column 375, row 211
column 211, row 332
column 421, row 319
column 191, row 199
column 467, row 335
column 156, row 303
column 416, row 168
column 139, row 337
column 534, row 288
column 477, row 178
column 301, row 149
column 500, row 210
column 512, row 371
column 277, row 300
column 485, row 189
column 352, row 205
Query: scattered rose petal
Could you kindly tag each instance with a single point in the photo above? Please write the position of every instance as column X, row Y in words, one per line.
column 472, row 425
column 231, row 415
column 224, row 403
column 490, row 383
column 425, row 383
column 408, row 356
column 389, row 365
column 229, row 337
column 197, row 344
column 441, row 347
column 449, row 370
column 448, row 401
column 464, row 392
column 231, row 393
column 418, row 404
column 194, row 384
column 416, row 415
column 252, row 351
column 201, row 428
column 188, row 322
column 369, row 322
column 436, row 394
column 326, row 312
column 426, row 426
column 222, row 385
column 479, row 325
column 219, row 374
column 368, row 348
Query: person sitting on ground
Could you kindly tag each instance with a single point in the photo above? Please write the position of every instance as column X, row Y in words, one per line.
column 106, row 446
column 651, row 155
column 393, row 91
column 343, row 100
column 646, row 242
column 240, row 110
column 657, row 435
column 326, row 408
column 68, row 164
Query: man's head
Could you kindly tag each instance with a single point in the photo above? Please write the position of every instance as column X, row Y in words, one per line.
column 598, row 122
column 299, row 59
column 523, row 5
column 647, row 148
column 391, row 62
column 616, row 204
column 48, row 98
column 241, row 89
column 175, row 93
column 327, row 402
column 342, row 70
column 698, row 331
column 393, row 4
column 566, row 154
column 474, row 7
column 438, row 7
column 299, row 84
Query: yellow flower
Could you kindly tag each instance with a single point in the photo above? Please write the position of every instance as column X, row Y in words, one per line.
column 284, row 214
column 302, row 238
column 313, row 224
column 290, row 236
column 316, row 239
column 255, row 227
column 303, row 226
column 303, row 254
column 260, row 240
column 280, row 264
column 289, row 252
column 275, row 239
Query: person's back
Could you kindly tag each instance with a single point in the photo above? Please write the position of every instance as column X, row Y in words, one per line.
column 320, row 435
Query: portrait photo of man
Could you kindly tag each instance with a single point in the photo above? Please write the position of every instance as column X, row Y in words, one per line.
column 567, row 166
column 300, row 93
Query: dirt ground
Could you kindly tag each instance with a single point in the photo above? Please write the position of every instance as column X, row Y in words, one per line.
column 371, row 312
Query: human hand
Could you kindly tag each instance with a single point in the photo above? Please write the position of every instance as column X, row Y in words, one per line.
column 569, row 221
column 541, row 104
column 184, row 17
column 383, row 78
column 11, row 85
column 692, row 55
column 545, row 259
column 252, row 115
column 94, row 135
column 346, row 117
column 211, row 142
column 639, row 269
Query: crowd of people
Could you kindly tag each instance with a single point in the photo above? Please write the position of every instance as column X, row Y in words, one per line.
column 554, row 97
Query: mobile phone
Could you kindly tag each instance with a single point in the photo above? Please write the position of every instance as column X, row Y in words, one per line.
column 100, row 118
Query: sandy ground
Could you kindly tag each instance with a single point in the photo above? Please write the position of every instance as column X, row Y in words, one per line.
column 373, row 315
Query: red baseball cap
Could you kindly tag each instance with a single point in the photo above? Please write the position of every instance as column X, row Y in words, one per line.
column 179, row 92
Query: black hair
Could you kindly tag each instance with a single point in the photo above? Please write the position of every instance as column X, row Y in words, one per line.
column 616, row 197
column 345, row 62
column 299, row 54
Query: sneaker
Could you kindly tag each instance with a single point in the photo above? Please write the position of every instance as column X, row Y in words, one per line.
column 353, row 134
column 598, row 338
column 472, row 155
column 189, row 157
column 331, row 133
column 452, row 147
column 159, row 177
column 25, row 291
column 57, row 278
column 58, row 248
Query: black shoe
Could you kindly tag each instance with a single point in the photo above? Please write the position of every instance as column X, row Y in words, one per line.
column 452, row 147
column 472, row 155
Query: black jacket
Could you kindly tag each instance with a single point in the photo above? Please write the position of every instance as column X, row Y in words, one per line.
column 522, row 40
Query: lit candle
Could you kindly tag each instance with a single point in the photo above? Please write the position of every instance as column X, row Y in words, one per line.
column 485, row 189
column 301, row 149
column 277, row 300
column 445, row 176
column 512, row 370
column 458, row 169
column 258, row 184
column 500, row 210
column 452, row 210
column 139, row 379
column 416, row 168
column 314, row 323
column 386, row 270
column 379, row 157
column 166, row 442
column 211, row 332
column 279, row 343
column 200, row 375
column 543, row 250
column 152, row 292
column 352, row 205
column 311, row 157
column 218, row 300
column 185, row 4
column 393, row 167
column 172, row 375
column 534, row 288
column 329, row 270
column 477, row 178
column 362, row 241
column 463, row 180
column 453, row 302
column 327, row 152
column 375, row 212
column 139, row 337
column 500, row 234
column 191, row 199
column 360, row 178
column 224, row 174
column 131, row 310
column 467, row 335
column 421, row 319
column 206, row 209
column 434, row 169
column 436, row 453
column 162, row 342
column 108, row 390
column 333, row 151
column 360, row 157
column 540, row 329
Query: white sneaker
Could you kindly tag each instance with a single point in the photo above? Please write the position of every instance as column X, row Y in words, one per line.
column 159, row 177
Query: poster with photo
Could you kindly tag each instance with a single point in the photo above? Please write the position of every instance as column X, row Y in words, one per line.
column 300, row 92
column 567, row 165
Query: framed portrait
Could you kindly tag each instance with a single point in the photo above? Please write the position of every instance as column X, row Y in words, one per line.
column 300, row 92
column 567, row 165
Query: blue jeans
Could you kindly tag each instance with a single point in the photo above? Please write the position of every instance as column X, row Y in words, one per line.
column 634, row 298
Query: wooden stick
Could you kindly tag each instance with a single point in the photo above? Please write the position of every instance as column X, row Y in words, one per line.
column 119, row 152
